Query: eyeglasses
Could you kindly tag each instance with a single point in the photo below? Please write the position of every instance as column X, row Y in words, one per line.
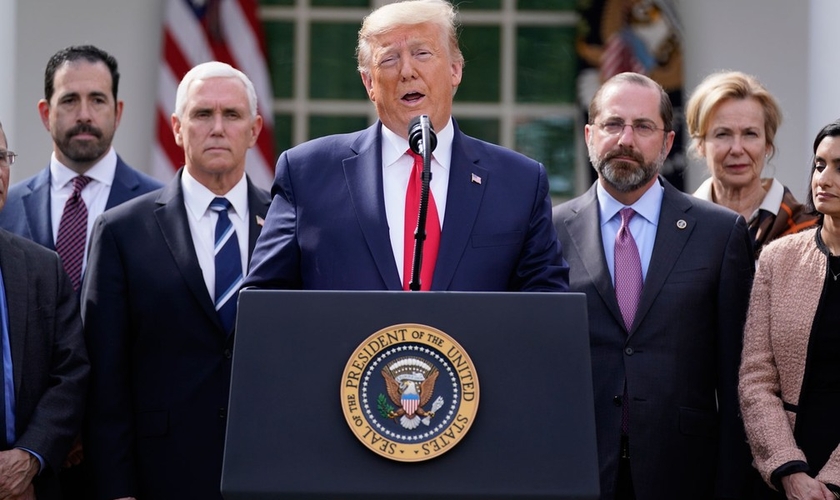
column 641, row 128
column 7, row 157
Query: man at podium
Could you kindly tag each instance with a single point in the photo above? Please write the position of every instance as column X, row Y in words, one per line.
column 345, row 207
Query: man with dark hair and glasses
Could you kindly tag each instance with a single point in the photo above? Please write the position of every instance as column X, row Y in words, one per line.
column 667, row 278
column 43, row 362
column 57, row 207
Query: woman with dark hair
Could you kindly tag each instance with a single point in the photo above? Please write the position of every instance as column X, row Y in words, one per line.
column 789, row 380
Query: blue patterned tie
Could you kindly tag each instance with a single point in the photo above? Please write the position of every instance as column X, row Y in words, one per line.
column 228, row 264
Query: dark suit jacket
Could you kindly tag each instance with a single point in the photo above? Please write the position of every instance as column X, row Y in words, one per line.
column 327, row 228
column 27, row 209
column 160, row 359
column 49, row 359
column 681, row 356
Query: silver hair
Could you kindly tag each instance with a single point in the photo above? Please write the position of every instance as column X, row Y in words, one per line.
column 213, row 69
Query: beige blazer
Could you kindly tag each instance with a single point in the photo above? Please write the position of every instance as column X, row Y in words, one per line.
column 785, row 295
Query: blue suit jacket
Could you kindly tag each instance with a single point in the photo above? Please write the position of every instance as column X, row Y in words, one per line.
column 27, row 210
column 327, row 230
column 680, row 357
column 160, row 357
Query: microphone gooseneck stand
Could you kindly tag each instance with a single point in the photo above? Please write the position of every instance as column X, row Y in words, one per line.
column 422, row 140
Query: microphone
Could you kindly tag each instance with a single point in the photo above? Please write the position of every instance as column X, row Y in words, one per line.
column 422, row 140
column 417, row 139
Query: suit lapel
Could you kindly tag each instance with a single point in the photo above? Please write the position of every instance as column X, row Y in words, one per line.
column 364, row 181
column 124, row 185
column 672, row 234
column 258, row 203
column 463, row 201
column 13, row 264
column 171, row 216
column 37, row 208
column 584, row 228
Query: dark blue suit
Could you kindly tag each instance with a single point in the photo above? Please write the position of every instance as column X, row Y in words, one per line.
column 160, row 357
column 680, row 358
column 27, row 210
column 326, row 228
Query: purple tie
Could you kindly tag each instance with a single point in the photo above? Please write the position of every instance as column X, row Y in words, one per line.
column 72, row 232
column 628, row 289
column 628, row 269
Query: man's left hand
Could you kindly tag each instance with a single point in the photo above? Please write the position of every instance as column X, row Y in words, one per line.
column 17, row 468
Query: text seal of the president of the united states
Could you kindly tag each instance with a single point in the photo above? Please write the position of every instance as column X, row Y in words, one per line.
column 409, row 392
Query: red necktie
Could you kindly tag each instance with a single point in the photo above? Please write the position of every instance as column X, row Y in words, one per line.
column 430, row 248
column 72, row 232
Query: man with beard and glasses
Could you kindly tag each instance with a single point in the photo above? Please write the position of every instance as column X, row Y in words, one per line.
column 667, row 279
column 56, row 208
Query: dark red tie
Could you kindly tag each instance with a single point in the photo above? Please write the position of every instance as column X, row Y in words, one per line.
column 72, row 232
column 412, row 208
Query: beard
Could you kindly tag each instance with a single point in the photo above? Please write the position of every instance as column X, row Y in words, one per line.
column 625, row 176
column 83, row 151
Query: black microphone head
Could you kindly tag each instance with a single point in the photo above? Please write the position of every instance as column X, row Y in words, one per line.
column 415, row 134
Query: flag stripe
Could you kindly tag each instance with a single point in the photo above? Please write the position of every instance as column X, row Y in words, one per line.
column 166, row 140
column 223, row 30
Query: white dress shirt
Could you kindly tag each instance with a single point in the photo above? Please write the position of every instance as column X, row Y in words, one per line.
column 95, row 194
column 197, row 199
column 396, row 169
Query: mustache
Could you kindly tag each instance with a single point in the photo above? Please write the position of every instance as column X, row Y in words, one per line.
column 84, row 128
column 624, row 151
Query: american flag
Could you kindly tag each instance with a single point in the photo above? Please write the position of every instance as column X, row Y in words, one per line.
column 619, row 57
column 197, row 31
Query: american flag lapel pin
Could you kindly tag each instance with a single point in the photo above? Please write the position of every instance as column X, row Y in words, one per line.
column 475, row 179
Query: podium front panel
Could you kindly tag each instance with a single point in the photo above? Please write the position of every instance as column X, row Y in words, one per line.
column 533, row 434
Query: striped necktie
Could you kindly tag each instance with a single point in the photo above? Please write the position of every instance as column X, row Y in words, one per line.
column 72, row 232
column 228, row 264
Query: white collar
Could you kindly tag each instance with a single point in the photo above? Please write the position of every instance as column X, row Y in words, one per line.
column 197, row 197
column 394, row 146
column 771, row 202
column 102, row 171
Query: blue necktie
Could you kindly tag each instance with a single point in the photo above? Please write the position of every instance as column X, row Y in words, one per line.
column 228, row 264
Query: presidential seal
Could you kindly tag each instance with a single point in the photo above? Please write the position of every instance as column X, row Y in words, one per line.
column 409, row 392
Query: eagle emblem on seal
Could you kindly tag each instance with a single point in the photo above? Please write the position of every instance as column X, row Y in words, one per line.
column 410, row 383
